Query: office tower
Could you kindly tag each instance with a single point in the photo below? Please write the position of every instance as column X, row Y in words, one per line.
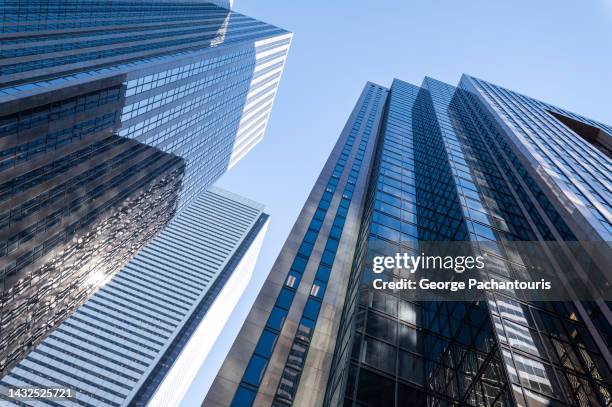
column 114, row 115
column 223, row 3
column 476, row 164
column 143, row 337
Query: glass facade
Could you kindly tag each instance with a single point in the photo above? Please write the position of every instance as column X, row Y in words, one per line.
column 445, row 162
column 119, row 346
column 107, row 106
column 306, row 267
column 473, row 163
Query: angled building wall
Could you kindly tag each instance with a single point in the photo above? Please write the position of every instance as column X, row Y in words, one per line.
column 98, row 102
column 143, row 337
column 477, row 164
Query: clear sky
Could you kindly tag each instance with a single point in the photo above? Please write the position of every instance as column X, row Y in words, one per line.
column 559, row 51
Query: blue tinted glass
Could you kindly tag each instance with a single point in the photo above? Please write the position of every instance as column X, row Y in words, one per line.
column 243, row 397
column 316, row 224
column 335, row 232
column 319, row 214
column 410, row 229
column 277, row 317
column 266, row 343
column 483, row 231
column 255, row 370
column 339, row 222
column 332, row 244
column 293, row 279
column 311, row 310
column 328, row 257
column 318, row 289
column 305, row 249
column 310, row 236
column 327, row 196
column 323, row 273
column 299, row 264
column 284, row 298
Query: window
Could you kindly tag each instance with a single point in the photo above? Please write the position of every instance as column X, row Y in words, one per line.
column 311, row 310
column 299, row 264
column 411, row 368
column 277, row 318
column 293, row 279
column 379, row 355
column 243, row 397
column 408, row 338
column 323, row 272
column 285, row 298
column 381, row 327
column 375, row 390
column 328, row 257
column 255, row 370
column 266, row 343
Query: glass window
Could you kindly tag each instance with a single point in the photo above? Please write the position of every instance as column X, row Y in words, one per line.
column 310, row 236
column 311, row 310
column 381, row 327
column 293, row 279
column 328, row 257
column 408, row 338
column 411, row 368
column 332, row 245
column 407, row 312
column 266, row 343
column 323, row 272
column 305, row 249
column 409, row 396
column 277, row 318
column 375, row 390
column 384, row 302
column 318, row 289
column 335, row 232
column 305, row 329
column 299, row 264
column 243, row 397
column 255, row 370
column 379, row 355
column 319, row 214
column 285, row 298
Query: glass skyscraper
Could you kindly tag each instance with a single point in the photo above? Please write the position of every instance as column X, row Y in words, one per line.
column 114, row 115
column 142, row 338
column 475, row 163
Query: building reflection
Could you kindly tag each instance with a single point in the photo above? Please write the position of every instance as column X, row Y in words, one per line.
column 77, row 202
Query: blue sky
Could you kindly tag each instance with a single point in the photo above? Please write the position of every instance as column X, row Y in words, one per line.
column 557, row 51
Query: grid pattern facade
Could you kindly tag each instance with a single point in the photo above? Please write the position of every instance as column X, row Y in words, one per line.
column 102, row 104
column 305, row 266
column 453, row 176
column 574, row 167
column 449, row 164
column 118, row 346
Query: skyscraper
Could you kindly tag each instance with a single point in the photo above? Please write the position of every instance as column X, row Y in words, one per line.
column 143, row 337
column 114, row 115
column 475, row 163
